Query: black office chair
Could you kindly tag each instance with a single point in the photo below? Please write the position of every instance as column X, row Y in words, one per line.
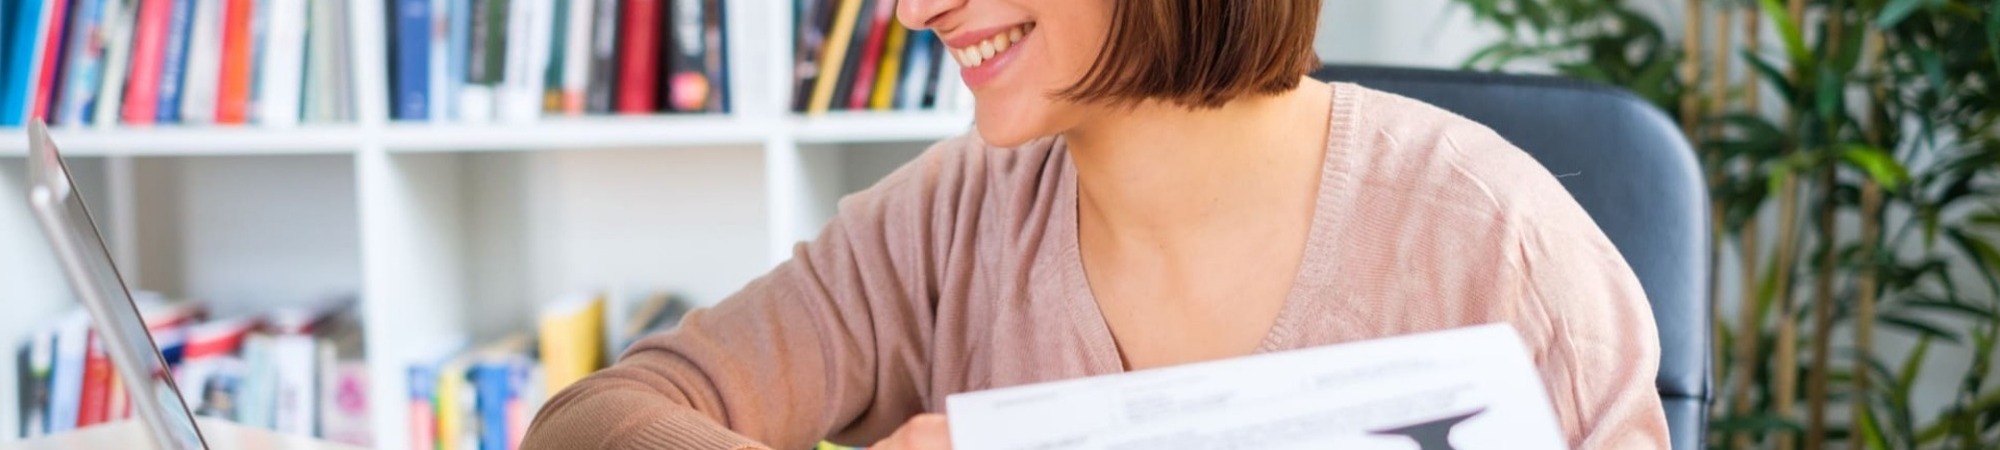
column 1641, row 185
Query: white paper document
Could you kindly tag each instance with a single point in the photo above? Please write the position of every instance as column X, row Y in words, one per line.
column 1465, row 389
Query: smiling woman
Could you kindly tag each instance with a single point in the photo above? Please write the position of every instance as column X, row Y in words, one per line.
column 1151, row 183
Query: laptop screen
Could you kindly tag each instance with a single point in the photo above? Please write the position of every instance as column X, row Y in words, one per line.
column 87, row 264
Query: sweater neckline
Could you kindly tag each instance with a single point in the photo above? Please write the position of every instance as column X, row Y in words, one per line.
column 1314, row 278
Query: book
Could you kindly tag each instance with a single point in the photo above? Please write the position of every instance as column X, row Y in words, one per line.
column 552, row 72
column 257, row 398
column 436, row 75
column 528, row 60
column 50, row 59
column 283, row 64
column 599, row 91
column 458, row 47
column 714, row 35
column 870, row 63
column 638, row 67
column 238, row 42
column 921, row 59
column 576, row 55
column 486, row 61
column 85, row 54
column 892, row 67
column 850, row 69
column 94, row 398
column 149, row 45
column 834, row 56
column 411, row 84
column 495, row 382
column 688, row 86
column 294, row 359
column 72, row 344
column 943, row 79
column 571, row 332
column 173, row 66
column 109, row 103
column 812, row 17
column 17, row 78
column 35, row 378
column 423, row 382
column 204, row 64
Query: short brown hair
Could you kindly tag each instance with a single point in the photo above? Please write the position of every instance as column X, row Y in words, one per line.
column 1201, row 53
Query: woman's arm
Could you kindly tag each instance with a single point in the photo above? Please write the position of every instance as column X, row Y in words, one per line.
column 831, row 342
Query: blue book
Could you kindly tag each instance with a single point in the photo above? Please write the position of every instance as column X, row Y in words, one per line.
column 413, row 57
column 916, row 70
column 496, row 385
column 79, row 87
column 174, row 67
column 17, row 62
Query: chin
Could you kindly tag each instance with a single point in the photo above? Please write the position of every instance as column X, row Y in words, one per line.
column 1004, row 135
column 1013, row 127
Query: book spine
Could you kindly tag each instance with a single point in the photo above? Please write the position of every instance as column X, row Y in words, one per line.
column 943, row 71
column 86, row 54
column 413, row 24
column 233, row 89
column 833, row 56
column 486, row 59
column 871, row 55
column 812, row 19
column 173, row 66
column 688, row 85
column 50, row 67
column 577, row 42
column 436, row 59
column 296, row 362
column 892, row 66
column 458, row 48
column 93, row 401
column 66, row 387
column 600, row 92
column 490, row 381
column 516, row 409
column 639, row 63
column 850, row 69
column 278, row 79
column 204, row 64
column 423, row 408
column 716, row 64
column 42, row 354
column 528, row 60
column 24, row 394
column 916, row 70
column 109, row 102
column 149, row 45
column 19, row 62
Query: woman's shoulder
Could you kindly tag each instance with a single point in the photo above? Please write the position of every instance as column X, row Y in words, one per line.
column 1410, row 152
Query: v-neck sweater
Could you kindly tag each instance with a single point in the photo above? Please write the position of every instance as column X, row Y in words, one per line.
column 960, row 272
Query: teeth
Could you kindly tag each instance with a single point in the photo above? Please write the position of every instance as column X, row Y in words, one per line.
column 974, row 55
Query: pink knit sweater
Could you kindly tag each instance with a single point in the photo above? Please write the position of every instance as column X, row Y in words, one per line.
column 959, row 272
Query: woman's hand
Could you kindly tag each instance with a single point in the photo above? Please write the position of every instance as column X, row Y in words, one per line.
column 923, row 432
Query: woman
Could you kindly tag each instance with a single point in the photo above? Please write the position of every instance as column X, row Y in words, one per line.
column 1152, row 183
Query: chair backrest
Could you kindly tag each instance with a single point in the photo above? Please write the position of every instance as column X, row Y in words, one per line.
column 1633, row 172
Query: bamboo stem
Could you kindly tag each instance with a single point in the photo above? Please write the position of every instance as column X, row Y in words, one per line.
column 1871, row 224
column 1750, row 317
column 1691, row 67
column 1816, row 379
column 1787, row 367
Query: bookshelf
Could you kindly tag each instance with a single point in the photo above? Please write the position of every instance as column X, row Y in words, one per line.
column 455, row 233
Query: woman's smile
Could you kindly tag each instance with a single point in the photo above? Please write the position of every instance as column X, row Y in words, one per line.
column 984, row 54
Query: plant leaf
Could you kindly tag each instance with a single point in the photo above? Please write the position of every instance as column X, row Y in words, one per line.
column 1897, row 10
column 1917, row 326
column 1878, row 163
column 1788, row 31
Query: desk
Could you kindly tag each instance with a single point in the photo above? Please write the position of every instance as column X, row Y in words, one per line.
column 129, row 434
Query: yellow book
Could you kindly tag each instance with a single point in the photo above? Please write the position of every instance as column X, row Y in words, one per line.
column 456, row 407
column 892, row 70
column 572, row 343
column 833, row 56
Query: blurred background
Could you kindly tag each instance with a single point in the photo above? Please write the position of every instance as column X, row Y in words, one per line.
column 376, row 221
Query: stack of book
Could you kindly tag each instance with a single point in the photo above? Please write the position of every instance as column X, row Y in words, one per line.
column 519, row 60
column 853, row 55
column 156, row 62
column 296, row 370
column 486, row 397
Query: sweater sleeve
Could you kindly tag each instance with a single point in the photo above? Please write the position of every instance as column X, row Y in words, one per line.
column 830, row 344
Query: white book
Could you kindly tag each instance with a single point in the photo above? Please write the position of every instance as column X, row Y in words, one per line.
column 119, row 16
column 297, row 365
column 204, row 64
column 576, row 55
column 320, row 56
column 282, row 72
column 527, row 60
column 342, row 67
column 66, row 381
column 439, row 104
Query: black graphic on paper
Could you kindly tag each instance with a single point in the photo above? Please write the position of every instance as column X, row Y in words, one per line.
column 1431, row 435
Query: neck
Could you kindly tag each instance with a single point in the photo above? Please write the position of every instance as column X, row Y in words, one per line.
column 1162, row 171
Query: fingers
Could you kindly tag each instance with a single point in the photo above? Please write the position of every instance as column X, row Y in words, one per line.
column 923, row 432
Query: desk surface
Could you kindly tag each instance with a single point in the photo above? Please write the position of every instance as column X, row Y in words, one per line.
column 220, row 434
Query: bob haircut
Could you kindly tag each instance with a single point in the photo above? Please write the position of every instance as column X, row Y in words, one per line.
column 1200, row 53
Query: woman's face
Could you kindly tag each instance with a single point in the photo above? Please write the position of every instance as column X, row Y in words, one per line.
column 1015, row 55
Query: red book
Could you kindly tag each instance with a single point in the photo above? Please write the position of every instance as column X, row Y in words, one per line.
column 871, row 56
column 639, row 58
column 52, row 60
column 232, row 95
column 149, row 52
column 95, row 402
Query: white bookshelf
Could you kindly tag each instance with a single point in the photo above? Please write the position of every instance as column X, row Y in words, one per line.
column 456, row 232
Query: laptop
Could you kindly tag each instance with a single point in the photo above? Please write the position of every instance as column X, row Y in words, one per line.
column 87, row 264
